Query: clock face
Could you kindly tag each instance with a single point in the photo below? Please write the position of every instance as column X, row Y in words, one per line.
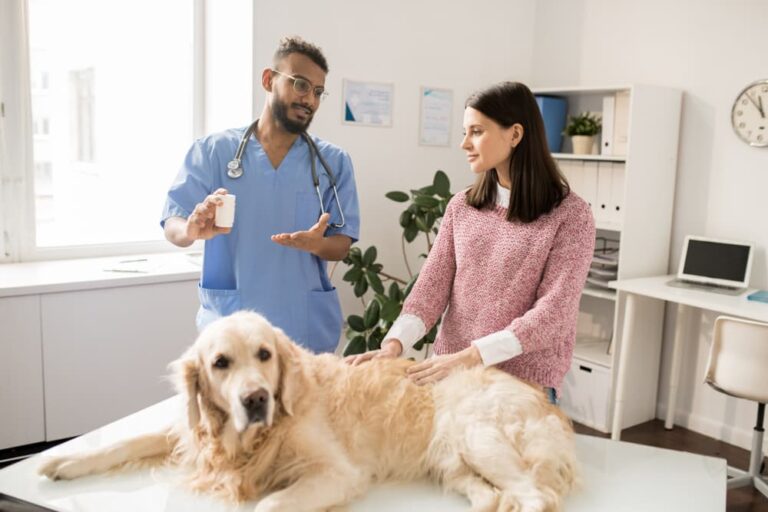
column 750, row 114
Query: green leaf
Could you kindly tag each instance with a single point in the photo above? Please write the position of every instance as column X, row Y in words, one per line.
column 355, row 346
column 398, row 196
column 421, row 224
column 370, row 255
column 426, row 201
column 391, row 310
column 394, row 291
column 430, row 219
column 355, row 256
column 429, row 190
column 410, row 233
column 361, row 287
column 419, row 344
column 353, row 275
column 356, row 322
column 374, row 281
column 405, row 218
column 374, row 340
column 371, row 315
column 442, row 184
column 377, row 267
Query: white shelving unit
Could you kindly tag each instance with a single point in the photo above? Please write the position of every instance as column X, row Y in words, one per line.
column 632, row 199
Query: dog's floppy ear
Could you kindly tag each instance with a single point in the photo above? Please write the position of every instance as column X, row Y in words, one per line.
column 187, row 379
column 293, row 377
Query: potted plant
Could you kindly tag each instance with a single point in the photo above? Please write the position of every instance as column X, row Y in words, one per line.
column 582, row 129
column 383, row 294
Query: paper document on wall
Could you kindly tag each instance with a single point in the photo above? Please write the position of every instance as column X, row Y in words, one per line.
column 368, row 104
column 435, row 122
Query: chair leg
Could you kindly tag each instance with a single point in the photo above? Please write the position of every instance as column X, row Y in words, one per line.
column 756, row 456
column 761, row 485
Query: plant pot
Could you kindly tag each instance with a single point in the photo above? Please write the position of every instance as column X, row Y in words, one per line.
column 582, row 144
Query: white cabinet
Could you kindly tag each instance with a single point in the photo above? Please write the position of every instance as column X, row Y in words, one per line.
column 631, row 196
column 107, row 351
column 21, row 372
column 72, row 361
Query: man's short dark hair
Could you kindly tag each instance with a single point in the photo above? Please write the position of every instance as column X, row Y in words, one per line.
column 295, row 44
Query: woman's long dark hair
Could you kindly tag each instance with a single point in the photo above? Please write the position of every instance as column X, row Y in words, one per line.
column 538, row 186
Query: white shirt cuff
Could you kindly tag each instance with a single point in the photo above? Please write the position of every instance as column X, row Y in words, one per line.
column 408, row 329
column 498, row 347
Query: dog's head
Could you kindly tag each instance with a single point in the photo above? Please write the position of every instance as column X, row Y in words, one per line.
column 240, row 369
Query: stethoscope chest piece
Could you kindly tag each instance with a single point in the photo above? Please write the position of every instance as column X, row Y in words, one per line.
column 234, row 168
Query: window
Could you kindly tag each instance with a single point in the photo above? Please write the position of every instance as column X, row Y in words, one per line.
column 103, row 100
column 112, row 115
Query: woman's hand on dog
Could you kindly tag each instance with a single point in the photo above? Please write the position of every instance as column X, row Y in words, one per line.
column 439, row 367
column 390, row 349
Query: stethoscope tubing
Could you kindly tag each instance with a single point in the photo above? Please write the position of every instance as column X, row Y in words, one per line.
column 235, row 168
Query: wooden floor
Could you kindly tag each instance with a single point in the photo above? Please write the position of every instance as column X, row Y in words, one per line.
column 653, row 433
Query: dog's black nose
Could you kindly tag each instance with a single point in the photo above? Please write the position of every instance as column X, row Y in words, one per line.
column 256, row 405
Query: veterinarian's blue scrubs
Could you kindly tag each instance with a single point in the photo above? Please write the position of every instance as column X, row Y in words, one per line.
column 245, row 269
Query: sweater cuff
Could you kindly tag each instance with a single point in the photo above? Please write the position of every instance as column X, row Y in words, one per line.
column 408, row 329
column 498, row 347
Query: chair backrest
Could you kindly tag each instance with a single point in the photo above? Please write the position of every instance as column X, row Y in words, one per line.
column 738, row 359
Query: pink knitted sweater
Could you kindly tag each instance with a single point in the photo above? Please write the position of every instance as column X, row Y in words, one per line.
column 492, row 274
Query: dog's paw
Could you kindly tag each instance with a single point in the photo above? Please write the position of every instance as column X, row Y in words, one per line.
column 62, row 468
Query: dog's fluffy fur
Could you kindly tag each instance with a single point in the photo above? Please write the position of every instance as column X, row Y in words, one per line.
column 324, row 430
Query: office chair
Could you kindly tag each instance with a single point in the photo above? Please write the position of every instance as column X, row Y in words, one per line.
column 737, row 367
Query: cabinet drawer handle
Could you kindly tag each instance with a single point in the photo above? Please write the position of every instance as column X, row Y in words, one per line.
column 585, row 369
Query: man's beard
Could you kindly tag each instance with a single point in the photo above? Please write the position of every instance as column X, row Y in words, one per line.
column 280, row 111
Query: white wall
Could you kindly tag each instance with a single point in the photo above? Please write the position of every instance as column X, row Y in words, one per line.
column 710, row 49
column 411, row 44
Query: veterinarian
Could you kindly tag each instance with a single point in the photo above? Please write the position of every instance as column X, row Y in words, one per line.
column 296, row 208
column 510, row 259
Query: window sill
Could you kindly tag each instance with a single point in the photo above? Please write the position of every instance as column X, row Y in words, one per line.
column 92, row 273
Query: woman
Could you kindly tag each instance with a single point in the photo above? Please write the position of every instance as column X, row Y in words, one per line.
column 510, row 259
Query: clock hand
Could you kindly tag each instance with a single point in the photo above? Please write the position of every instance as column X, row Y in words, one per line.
column 760, row 108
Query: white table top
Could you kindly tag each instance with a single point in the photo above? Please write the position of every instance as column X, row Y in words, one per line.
column 656, row 287
column 91, row 273
column 618, row 477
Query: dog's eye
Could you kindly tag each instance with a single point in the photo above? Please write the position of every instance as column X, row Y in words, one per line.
column 221, row 362
column 263, row 354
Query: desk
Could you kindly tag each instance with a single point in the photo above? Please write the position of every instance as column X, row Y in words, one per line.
column 617, row 477
column 686, row 299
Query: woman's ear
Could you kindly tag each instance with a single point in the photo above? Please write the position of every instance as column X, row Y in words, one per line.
column 187, row 379
column 293, row 376
column 516, row 134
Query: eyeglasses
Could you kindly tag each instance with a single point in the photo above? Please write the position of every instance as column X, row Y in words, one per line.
column 303, row 86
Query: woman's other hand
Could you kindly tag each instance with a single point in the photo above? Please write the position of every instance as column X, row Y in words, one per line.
column 439, row 367
column 390, row 349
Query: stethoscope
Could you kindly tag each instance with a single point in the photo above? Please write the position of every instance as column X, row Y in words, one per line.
column 235, row 168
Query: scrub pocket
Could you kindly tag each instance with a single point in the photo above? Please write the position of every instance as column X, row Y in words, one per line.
column 219, row 302
column 323, row 320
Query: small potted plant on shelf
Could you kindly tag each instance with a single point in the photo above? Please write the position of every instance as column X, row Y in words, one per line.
column 582, row 129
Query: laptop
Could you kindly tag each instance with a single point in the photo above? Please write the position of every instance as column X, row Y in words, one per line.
column 721, row 266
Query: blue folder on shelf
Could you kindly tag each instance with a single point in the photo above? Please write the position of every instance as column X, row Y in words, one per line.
column 554, row 110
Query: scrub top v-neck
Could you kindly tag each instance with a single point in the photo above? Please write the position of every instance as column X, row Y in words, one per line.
column 245, row 269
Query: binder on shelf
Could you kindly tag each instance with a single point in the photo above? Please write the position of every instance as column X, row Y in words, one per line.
column 606, row 139
column 621, row 123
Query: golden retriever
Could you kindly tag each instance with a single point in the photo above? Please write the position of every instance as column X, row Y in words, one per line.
column 268, row 420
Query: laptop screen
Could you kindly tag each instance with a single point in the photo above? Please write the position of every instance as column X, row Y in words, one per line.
column 717, row 260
